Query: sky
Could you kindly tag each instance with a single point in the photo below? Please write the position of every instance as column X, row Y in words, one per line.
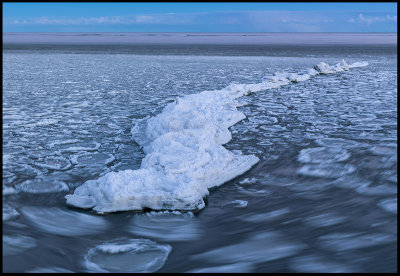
column 199, row 17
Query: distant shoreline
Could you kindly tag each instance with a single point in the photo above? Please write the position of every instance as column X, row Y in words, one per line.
column 119, row 38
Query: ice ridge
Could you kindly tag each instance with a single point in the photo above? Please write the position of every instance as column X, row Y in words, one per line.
column 184, row 151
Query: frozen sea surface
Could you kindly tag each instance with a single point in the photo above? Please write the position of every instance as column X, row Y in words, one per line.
column 322, row 197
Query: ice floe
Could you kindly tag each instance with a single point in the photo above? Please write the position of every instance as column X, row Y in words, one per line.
column 318, row 264
column 262, row 247
column 324, row 220
column 326, row 170
column 241, row 267
column 7, row 190
column 323, row 155
column 87, row 159
column 54, row 163
column 14, row 244
column 337, row 142
column 54, row 220
column 385, row 150
column 83, row 146
column 166, row 226
column 185, row 154
column 389, row 205
column 365, row 187
column 9, row 212
column 348, row 241
column 51, row 269
column 127, row 256
column 41, row 185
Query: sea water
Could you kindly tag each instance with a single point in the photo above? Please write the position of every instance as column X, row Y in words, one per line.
column 172, row 124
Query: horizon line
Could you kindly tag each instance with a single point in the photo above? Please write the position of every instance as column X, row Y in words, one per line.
column 198, row 32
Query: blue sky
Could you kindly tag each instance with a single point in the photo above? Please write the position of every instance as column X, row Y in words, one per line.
column 200, row 17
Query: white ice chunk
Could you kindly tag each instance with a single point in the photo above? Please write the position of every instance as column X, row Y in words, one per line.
column 312, row 72
column 293, row 77
column 248, row 181
column 127, row 256
column 343, row 64
column 337, row 68
column 175, row 175
column 323, row 68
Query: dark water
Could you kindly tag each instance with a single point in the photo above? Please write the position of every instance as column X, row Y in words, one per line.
column 323, row 197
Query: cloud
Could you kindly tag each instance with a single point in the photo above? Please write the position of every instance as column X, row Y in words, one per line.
column 391, row 18
column 228, row 17
column 220, row 21
column 147, row 19
column 67, row 21
column 369, row 20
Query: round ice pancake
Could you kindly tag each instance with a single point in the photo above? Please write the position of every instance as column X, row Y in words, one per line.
column 41, row 185
column 326, row 170
column 166, row 226
column 127, row 256
column 323, row 155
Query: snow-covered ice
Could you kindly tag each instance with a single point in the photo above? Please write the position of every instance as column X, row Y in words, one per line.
column 184, row 151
